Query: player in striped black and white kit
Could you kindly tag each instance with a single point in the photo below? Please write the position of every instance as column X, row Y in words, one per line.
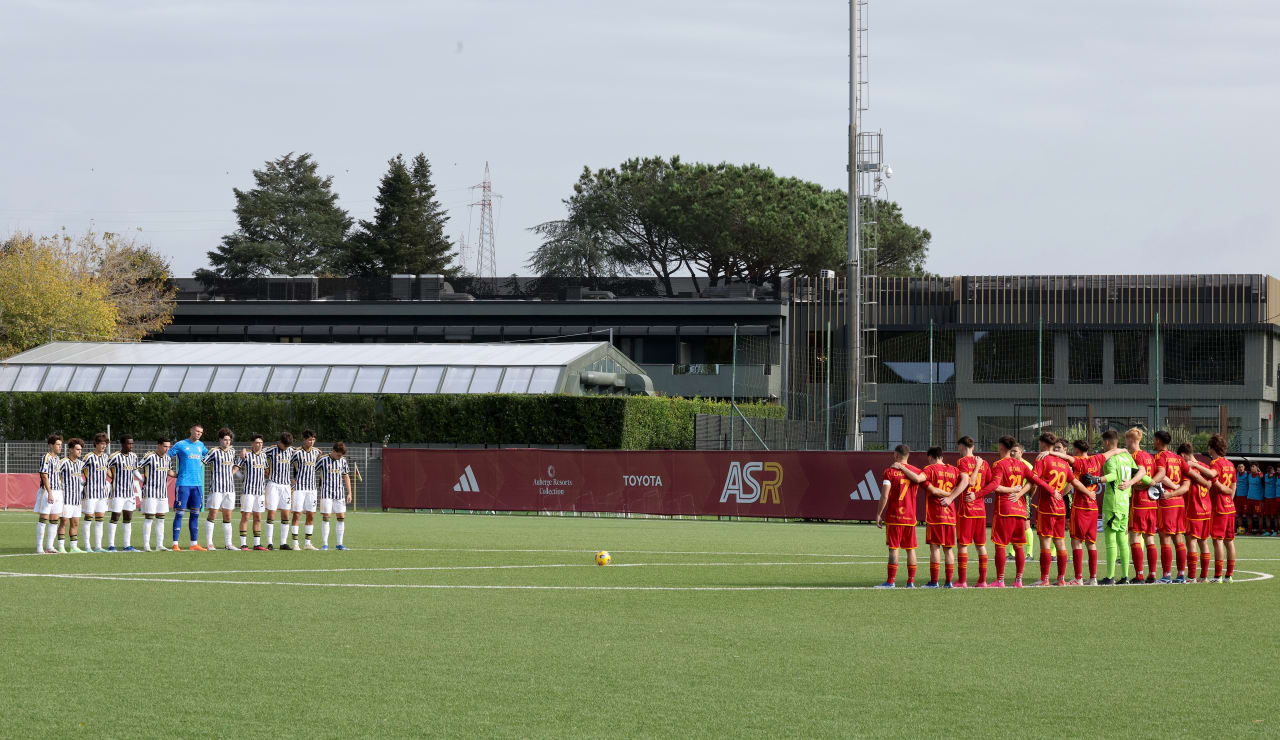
column 304, row 486
column 253, row 466
column 155, row 471
column 97, row 487
column 222, row 493
column 72, row 491
column 279, row 489
column 123, row 463
column 49, row 497
column 335, row 492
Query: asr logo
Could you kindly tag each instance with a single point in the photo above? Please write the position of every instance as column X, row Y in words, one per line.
column 742, row 484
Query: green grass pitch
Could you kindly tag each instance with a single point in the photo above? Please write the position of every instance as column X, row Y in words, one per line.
column 504, row 626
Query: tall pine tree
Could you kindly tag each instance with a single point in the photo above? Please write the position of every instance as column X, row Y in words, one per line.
column 406, row 235
column 289, row 224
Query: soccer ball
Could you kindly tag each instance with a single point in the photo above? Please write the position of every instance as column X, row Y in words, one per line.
column 603, row 558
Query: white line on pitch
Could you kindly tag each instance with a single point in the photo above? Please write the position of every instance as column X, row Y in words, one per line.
column 426, row 567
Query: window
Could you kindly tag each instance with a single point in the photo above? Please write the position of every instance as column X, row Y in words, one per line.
column 310, row 379
column 226, row 378
column 1129, row 362
column 1012, row 357
column 368, row 379
column 398, row 380
column 545, row 380
column 427, row 380
column 254, row 379
column 197, row 379
column 870, row 424
column 1271, row 352
column 170, row 380
column 718, row 350
column 903, row 357
column 57, row 378
column 485, row 380
column 1203, row 357
column 340, row 380
column 282, row 379
column 84, row 379
column 113, row 378
column 895, row 431
column 457, row 379
column 516, row 380
column 29, row 378
column 7, row 376
column 1084, row 356
column 141, row 377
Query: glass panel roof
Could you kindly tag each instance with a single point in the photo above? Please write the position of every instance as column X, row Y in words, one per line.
column 485, row 380
column 197, row 379
column 57, row 379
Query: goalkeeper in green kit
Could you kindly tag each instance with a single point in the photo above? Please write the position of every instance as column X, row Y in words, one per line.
column 1120, row 473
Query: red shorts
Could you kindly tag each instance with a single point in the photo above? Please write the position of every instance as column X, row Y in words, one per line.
column 900, row 536
column 1084, row 524
column 1223, row 526
column 971, row 531
column 1051, row 525
column 1144, row 521
column 1199, row 529
column 1241, row 503
column 1009, row 530
column 1173, row 519
column 1271, row 507
column 1253, row 507
column 940, row 534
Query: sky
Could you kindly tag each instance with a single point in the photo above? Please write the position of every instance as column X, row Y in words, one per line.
column 1085, row 137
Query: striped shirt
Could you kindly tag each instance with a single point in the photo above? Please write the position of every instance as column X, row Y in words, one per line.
column 95, row 473
column 331, row 472
column 304, row 465
column 280, row 459
column 52, row 467
column 122, row 467
column 72, row 481
column 222, row 474
column 255, row 473
column 155, row 471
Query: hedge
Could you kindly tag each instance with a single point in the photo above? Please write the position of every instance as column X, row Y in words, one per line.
column 595, row 422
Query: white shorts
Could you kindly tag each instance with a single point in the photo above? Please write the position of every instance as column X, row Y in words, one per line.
column 70, row 512
column 252, row 503
column 49, row 503
column 95, row 506
column 304, row 501
column 333, row 506
column 117, row 504
column 155, row 506
column 225, row 500
column 278, row 498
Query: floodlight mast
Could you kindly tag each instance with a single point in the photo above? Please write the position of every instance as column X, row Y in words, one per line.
column 853, row 278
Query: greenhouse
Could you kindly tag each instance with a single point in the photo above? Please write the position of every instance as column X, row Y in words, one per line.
column 576, row 368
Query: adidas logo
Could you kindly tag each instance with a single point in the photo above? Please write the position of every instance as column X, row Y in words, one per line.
column 867, row 489
column 467, row 482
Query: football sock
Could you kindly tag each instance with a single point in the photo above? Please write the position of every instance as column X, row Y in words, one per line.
column 40, row 525
column 933, row 572
column 177, row 525
column 1217, row 568
column 1135, row 550
column 193, row 528
column 226, row 533
column 1062, row 564
column 160, row 532
column 1046, row 560
column 982, row 569
column 62, row 541
column 1204, row 565
column 270, row 533
column 1166, row 559
column 1231, row 565
column 911, row 572
column 208, row 525
column 342, row 525
column 1151, row 560
column 1000, row 561
column 146, row 533
column 324, row 532
column 257, row 540
column 1180, row 558
column 111, row 533
column 949, row 568
column 1191, row 563
column 51, row 535
column 244, row 538
column 1093, row 563
column 1077, row 561
column 128, row 534
column 963, row 566
column 892, row 573
column 310, row 529
column 295, row 534
column 1020, row 559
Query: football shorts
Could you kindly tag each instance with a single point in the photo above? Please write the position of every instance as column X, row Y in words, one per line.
column 118, row 504
column 278, row 497
column 1271, row 507
column 49, row 503
column 900, row 536
column 70, row 511
column 1255, row 507
column 1223, row 526
column 95, row 506
column 188, row 497
column 1144, row 521
column 1009, row 530
column 225, row 500
column 943, row 535
column 1084, row 524
column 1051, row 525
column 333, row 506
column 253, row 503
column 155, row 506
column 1200, row 529
column 971, row 531
column 304, row 501
column 1173, row 519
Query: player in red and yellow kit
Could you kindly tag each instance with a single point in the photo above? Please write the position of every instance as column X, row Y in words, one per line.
column 943, row 483
column 897, row 514
column 1084, row 512
column 1171, row 475
column 1053, row 476
column 971, row 514
column 1009, row 526
column 1143, row 510
column 1222, row 494
column 1199, row 513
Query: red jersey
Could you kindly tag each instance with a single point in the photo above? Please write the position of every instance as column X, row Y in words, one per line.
column 1175, row 472
column 944, row 477
column 1086, row 465
column 1012, row 473
column 1056, row 472
column 901, row 505
column 1141, row 498
column 979, row 473
column 1222, row 502
column 1197, row 500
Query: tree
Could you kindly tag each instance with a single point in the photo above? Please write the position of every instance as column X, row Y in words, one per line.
column 901, row 248
column 289, row 223
column 571, row 251
column 44, row 287
column 138, row 280
column 406, row 234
